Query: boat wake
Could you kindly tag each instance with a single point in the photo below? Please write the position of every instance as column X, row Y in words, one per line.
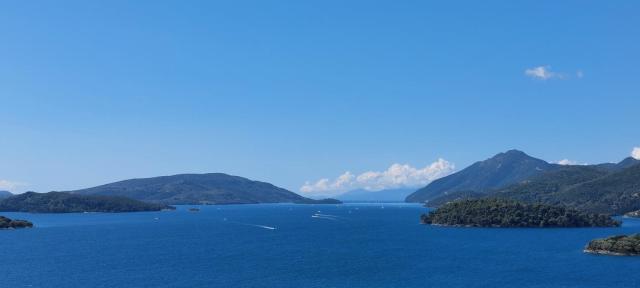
column 326, row 216
column 252, row 225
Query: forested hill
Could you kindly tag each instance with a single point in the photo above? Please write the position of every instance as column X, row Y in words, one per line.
column 498, row 171
column 582, row 187
column 59, row 202
column 212, row 188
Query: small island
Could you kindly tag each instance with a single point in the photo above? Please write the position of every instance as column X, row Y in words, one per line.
column 510, row 213
column 60, row 202
column 6, row 223
column 620, row 245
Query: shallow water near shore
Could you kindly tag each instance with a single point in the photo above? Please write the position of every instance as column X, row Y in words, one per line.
column 286, row 245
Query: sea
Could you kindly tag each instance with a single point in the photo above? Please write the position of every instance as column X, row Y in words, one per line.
column 300, row 246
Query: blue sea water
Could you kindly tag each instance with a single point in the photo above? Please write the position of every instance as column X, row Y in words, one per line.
column 357, row 245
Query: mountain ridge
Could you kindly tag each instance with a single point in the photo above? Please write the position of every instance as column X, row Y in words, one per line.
column 612, row 188
column 5, row 194
column 208, row 188
column 500, row 170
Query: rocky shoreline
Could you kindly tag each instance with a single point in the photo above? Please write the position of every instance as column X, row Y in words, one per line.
column 607, row 253
column 6, row 223
column 621, row 245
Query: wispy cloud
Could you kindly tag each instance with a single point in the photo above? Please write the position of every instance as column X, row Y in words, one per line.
column 635, row 153
column 570, row 162
column 545, row 73
column 567, row 162
column 10, row 185
column 542, row 73
column 396, row 176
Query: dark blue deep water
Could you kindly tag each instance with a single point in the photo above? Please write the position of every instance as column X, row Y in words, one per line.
column 364, row 246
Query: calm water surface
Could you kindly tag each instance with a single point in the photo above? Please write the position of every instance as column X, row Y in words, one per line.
column 351, row 245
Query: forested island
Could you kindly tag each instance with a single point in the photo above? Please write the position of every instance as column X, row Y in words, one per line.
column 510, row 213
column 59, row 202
column 620, row 245
column 6, row 223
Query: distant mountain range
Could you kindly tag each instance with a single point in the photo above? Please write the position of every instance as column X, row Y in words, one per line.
column 606, row 188
column 212, row 188
column 387, row 195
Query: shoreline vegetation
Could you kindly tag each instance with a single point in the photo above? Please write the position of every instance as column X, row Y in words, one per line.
column 620, row 245
column 6, row 223
column 503, row 213
column 60, row 202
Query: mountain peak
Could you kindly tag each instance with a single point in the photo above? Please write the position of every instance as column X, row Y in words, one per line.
column 627, row 162
column 515, row 152
column 512, row 154
column 500, row 170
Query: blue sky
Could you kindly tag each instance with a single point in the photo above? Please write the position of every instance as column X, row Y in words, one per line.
column 296, row 91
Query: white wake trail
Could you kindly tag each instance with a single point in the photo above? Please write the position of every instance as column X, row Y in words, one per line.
column 252, row 225
column 323, row 217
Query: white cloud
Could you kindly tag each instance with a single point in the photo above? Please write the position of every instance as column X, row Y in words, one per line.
column 567, row 162
column 635, row 153
column 579, row 74
column 543, row 73
column 10, row 185
column 570, row 162
column 396, row 176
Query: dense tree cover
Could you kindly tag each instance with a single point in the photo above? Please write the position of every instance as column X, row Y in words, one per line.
column 549, row 184
column 6, row 223
column 211, row 188
column 584, row 188
column 59, row 202
column 616, row 193
column 510, row 213
column 616, row 245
